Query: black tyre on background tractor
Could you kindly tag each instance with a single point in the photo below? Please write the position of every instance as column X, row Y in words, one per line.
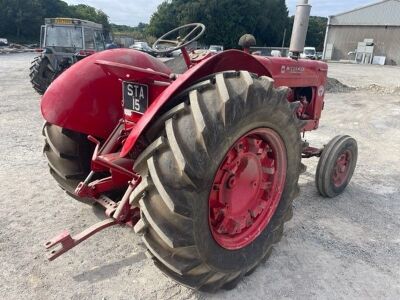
column 219, row 180
column 41, row 74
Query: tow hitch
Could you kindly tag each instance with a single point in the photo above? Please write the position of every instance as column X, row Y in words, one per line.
column 120, row 213
column 68, row 242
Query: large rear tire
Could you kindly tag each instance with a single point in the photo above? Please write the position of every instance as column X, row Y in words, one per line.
column 69, row 156
column 180, row 168
column 41, row 74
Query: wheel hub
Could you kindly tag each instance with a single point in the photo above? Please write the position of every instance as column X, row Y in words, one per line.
column 247, row 188
column 341, row 169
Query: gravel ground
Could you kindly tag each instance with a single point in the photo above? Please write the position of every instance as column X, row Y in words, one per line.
column 343, row 248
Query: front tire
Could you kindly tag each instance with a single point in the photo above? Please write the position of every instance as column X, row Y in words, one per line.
column 336, row 166
column 180, row 167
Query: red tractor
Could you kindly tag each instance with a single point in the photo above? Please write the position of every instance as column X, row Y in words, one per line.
column 204, row 164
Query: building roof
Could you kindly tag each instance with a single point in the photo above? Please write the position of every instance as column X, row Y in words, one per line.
column 382, row 13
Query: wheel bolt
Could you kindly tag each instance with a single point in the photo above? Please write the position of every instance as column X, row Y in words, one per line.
column 231, row 182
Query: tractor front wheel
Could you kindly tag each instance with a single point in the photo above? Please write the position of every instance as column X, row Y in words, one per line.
column 219, row 180
column 336, row 166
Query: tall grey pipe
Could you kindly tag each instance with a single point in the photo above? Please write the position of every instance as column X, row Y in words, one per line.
column 300, row 27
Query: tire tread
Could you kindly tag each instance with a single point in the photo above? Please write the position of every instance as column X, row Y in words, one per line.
column 162, row 206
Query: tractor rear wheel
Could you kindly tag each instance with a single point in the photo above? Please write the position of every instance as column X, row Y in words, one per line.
column 41, row 74
column 69, row 156
column 219, row 180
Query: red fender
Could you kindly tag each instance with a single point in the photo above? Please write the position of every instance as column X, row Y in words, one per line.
column 285, row 72
column 225, row 61
column 86, row 98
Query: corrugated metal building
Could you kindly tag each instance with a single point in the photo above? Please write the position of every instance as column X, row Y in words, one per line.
column 378, row 21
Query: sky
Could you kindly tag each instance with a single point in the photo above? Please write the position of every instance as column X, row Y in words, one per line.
column 131, row 12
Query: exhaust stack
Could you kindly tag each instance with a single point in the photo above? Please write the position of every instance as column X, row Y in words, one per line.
column 300, row 28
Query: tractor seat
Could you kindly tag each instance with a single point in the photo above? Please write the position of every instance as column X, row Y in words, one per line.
column 177, row 65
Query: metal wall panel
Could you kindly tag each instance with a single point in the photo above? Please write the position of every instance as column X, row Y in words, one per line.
column 346, row 38
column 381, row 13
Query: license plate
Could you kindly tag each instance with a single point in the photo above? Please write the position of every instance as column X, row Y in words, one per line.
column 136, row 97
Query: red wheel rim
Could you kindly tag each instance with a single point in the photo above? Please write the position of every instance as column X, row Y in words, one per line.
column 247, row 188
column 342, row 168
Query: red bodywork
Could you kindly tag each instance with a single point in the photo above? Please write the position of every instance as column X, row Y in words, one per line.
column 87, row 98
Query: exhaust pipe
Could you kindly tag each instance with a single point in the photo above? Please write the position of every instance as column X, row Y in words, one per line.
column 300, row 28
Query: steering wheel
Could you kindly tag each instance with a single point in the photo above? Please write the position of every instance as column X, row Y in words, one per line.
column 179, row 42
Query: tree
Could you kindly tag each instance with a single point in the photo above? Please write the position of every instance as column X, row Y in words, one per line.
column 163, row 20
column 316, row 32
column 138, row 33
column 20, row 20
column 54, row 8
column 226, row 20
column 86, row 12
column 18, row 17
